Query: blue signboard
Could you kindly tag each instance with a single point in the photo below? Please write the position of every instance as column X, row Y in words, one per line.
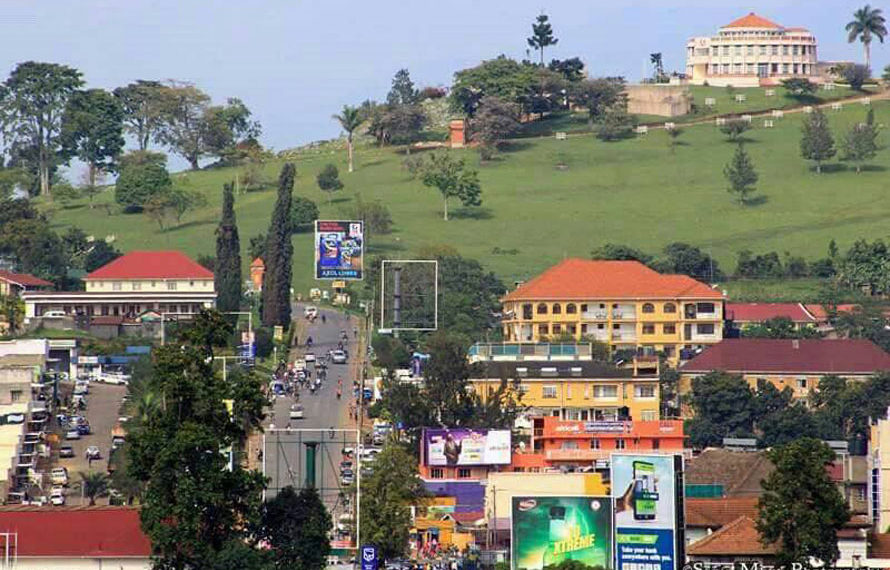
column 369, row 557
column 339, row 249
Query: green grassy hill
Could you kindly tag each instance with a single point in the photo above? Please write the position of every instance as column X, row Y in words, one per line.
column 633, row 191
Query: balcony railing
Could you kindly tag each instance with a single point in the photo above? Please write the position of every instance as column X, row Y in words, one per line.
column 624, row 336
column 594, row 315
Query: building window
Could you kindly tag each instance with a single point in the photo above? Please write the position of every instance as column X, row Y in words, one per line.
column 191, row 283
column 738, row 50
column 171, row 285
column 116, row 286
column 762, row 50
column 750, row 50
column 795, row 50
column 644, row 391
column 463, row 473
column 785, row 69
column 785, row 50
column 670, row 308
column 656, row 444
column 571, row 309
column 669, row 351
column 584, row 308
column 648, row 328
column 669, row 328
column 543, row 330
column 775, row 50
column 619, row 444
column 594, row 443
column 15, row 395
column 583, row 328
column 527, row 311
column 648, row 308
column 605, row 392
column 436, row 473
column 557, row 309
column 705, row 307
column 648, row 415
column 548, row 392
column 571, row 329
column 557, row 328
column 861, row 493
column 137, row 285
column 601, row 326
column 707, row 328
column 542, row 308
column 802, row 383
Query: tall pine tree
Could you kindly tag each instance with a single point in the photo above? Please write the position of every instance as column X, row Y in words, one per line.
column 228, row 256
column 279, row 254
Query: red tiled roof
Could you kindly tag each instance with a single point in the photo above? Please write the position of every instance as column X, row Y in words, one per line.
column 152, row 265
column 467, row 518
column 81, row 532
column 738, row 538
column 718, row 512
column 581, row 279
column 23, row 279
column 752, row 20
column 820, row 312
column 825, row 356
column 760, row 312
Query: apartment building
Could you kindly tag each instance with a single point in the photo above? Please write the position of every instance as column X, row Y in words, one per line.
column 624, row 304
column 751, row 51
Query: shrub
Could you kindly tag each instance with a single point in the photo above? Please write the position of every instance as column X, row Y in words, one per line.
column 304, row 212
column 374, row 213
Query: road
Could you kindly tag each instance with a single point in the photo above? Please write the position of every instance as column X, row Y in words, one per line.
column 287, row 452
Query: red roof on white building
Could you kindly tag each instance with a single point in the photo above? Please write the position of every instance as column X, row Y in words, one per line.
column 760, row 312
column 752, row 20
column 152, row 265
column 23, row 279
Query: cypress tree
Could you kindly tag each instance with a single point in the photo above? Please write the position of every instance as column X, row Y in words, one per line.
column 228, row 256
column 279, row 255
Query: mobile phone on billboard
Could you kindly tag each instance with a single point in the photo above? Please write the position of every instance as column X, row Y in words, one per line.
column 645, row 494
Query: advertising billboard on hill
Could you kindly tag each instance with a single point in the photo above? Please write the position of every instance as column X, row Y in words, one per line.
column 465, row 447
column 339, row 249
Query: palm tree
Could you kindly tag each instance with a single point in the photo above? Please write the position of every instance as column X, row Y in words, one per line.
column 350, row 118
column 95, row 484
column 656, row 60
column 867, row 22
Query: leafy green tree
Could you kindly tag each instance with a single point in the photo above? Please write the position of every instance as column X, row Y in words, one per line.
column 801, row 510
column 26, row 237
column 95, row 484
column 616, row 123
column 296, row 527
column 764, row 265
column 598, row 96
column 452, row 179
column 867, row 23
column 227, row 272
column 620, row 252
column 183, row 128
column 723, row 405
column 143, row 175
column 304, row 212
column 65, row 193
column 350, row 119
column 468, row 295
column 401, row 124
column 571, row 69
column 199, row 507
column 740, row 174
column 226, row 129
column 866, row 266
column 495, row 120
column 402, row 91
column 92, row 130
column 144, row 104
column 860, row 144
column 855, row 75
column 328, row 180
column 816, row 142
column 13, row 310
column 799, row 87
column 500, row 77
column 374, row 213
column 734, row 128
column 779, row 327
column 864, row 322
column 278, row 255
column 183, row 201
column 542, row 35
column 689, row 260
column 388, row 494
column 33, row 102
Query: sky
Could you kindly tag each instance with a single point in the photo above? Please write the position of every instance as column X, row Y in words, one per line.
column 295, row 63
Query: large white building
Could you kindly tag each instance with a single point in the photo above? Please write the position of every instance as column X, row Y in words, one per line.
column 751, row 51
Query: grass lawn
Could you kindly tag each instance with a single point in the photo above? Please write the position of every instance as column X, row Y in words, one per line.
column 634, row 191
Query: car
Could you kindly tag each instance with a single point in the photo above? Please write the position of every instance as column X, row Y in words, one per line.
column 66, row 452
column 309, row 357
column 345, row 465
column 311, row 311
column 92, row 452
column 83, row 428
column 58, row 490
column 57, row 500
column 338, row 357
column 54, row 314
column 59, row 476
column 15, row 418
column 72, row 433
column 296, row 412
column 348, row 451
column 117, row 441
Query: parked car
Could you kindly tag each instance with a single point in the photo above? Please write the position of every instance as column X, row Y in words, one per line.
column 93, row 452
column 54, row 314
column 83, row 428
column 309, row 357
column 345, row 465
column 59, row 476
column 296, row 412
column 72, row 433
column 66, row 452
column 338, row 357
column 57, row 499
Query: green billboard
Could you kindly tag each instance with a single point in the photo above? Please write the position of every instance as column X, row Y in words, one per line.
column 550, row 530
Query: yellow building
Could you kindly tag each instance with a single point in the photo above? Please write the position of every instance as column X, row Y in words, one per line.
column 160, row 281
column 574, row 390
column 751, row 51
column 624, row 304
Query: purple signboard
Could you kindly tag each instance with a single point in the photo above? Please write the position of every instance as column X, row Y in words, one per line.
column 453, row 447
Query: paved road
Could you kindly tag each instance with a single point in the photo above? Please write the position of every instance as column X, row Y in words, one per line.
column 285, row 456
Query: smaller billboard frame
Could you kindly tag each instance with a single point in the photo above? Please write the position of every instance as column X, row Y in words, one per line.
column 435, row 264
column 339, row 273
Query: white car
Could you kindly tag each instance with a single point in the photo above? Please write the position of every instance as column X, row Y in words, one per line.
column 309, row 357
column 72, row 434
column 57, row 500
column 54, row 314
column 338, row 357
column 59, row 476
column 296, row 412
column 93, row 452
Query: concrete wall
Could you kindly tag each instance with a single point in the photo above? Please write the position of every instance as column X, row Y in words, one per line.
column 659, row 99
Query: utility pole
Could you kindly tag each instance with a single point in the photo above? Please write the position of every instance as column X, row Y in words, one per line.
column 396, row 300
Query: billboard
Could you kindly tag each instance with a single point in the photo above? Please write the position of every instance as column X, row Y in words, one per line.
column 648, row 507
column 339, row 249
column 452, row 447
column 550, row 530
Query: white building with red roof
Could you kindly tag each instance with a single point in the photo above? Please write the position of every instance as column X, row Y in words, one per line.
column 138, row 282
column 751, row 51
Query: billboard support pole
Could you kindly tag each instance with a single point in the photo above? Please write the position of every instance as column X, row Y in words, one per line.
column 396, row 300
